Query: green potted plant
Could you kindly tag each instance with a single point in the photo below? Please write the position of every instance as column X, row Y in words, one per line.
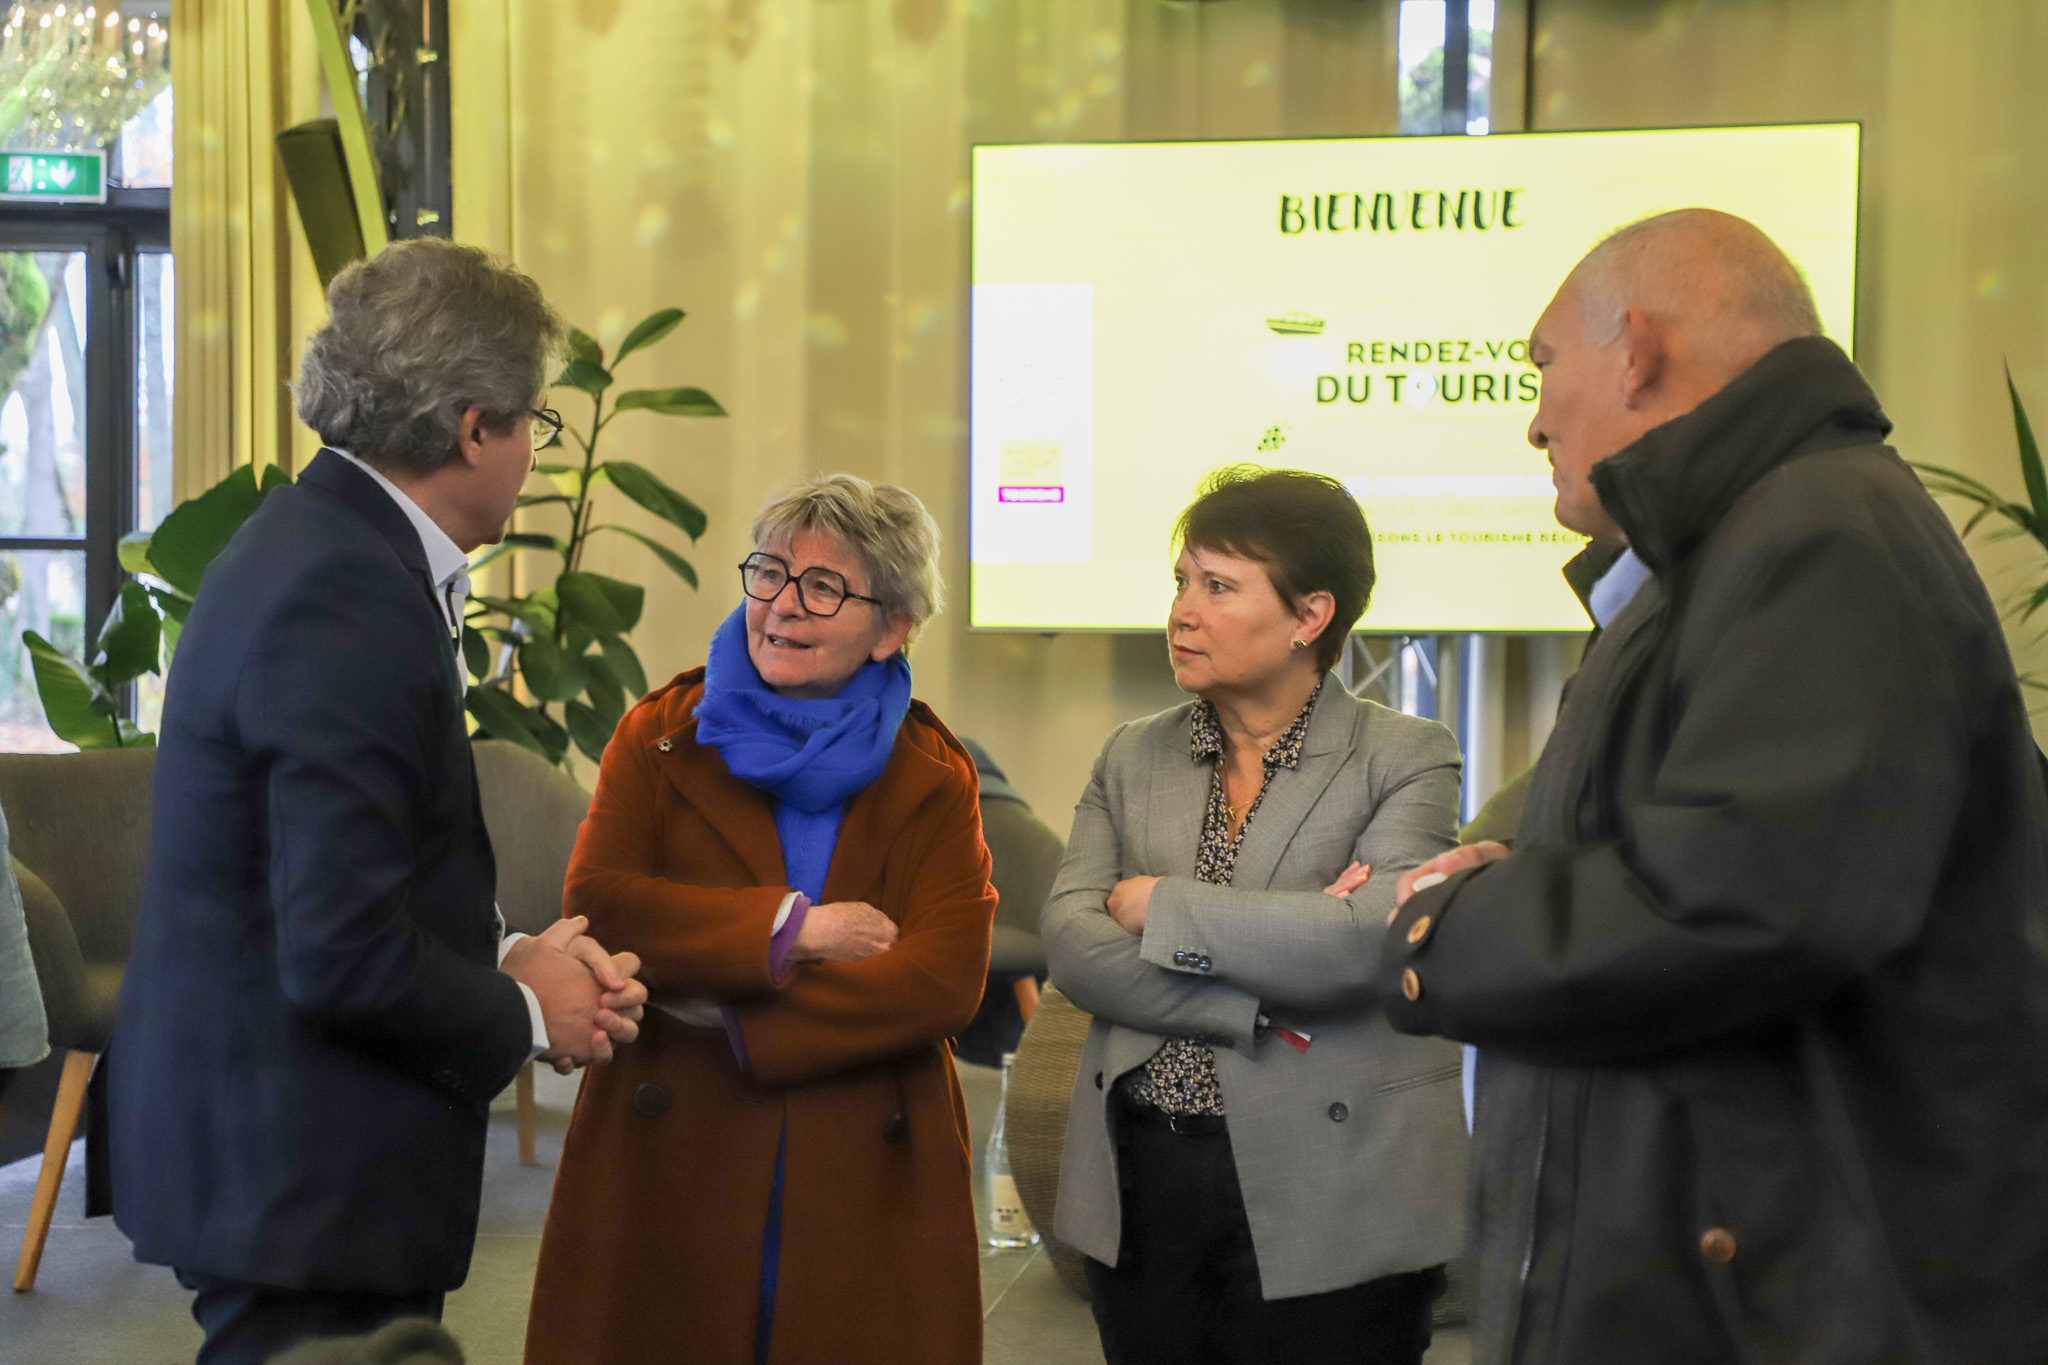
column 568, row 638
column 2006, row 518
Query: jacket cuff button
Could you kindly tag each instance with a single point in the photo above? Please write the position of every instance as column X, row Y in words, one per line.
column 1718, row 1245
column 1411, row 984
column 1180, row 957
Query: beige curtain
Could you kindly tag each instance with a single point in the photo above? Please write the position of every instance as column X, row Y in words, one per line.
column 794, row 174
column 242, row 72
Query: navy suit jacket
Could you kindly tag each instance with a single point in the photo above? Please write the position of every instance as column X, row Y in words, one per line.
column 312, row 1021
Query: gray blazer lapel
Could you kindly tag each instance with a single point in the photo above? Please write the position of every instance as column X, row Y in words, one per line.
column 1291, row 795
column 1178, row 797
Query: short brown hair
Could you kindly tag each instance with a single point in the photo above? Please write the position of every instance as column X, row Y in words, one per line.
column 1306, row 529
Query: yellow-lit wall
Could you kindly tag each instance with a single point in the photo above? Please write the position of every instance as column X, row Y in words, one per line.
column 792, row 172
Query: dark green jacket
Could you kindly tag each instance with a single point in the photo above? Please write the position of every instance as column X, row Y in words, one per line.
column 1762, row 992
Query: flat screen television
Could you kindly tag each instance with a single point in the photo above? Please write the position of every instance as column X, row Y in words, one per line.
column 1144, row 313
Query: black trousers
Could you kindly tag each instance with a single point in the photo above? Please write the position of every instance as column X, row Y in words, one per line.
column 1185, row 1288
column 247, row 1324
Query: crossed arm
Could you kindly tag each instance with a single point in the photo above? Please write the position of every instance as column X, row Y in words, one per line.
column 1111, row 939
column 870, row 989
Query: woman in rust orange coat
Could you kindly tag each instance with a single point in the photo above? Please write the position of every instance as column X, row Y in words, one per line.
column 778, row 1171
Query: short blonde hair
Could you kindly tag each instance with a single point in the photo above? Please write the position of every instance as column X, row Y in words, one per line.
column 895, row 537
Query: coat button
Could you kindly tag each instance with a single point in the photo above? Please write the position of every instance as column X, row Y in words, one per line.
column 1411, row 984
column 896, row 1131
column 651, row 1101
column 1718, row 1245
column 1205, row 962
column 1419, row 930
column 1098, row 1080
column 1339, row 1112
column 665, row 745
column 1180, row 957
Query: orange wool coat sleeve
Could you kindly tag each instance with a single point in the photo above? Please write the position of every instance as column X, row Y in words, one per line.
column 692, row 940
column 833, row 1015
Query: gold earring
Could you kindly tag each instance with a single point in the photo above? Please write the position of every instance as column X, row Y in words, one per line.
column 1301, row 644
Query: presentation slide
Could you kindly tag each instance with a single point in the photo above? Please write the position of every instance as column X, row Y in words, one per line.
column 1146, row 313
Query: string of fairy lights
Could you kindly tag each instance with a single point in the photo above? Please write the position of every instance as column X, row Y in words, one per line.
column 73, row 75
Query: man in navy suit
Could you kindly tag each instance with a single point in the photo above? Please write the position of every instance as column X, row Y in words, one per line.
column 321, row 1000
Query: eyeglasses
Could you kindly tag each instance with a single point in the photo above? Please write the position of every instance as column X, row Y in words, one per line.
column 821, row 592
column 547, row 428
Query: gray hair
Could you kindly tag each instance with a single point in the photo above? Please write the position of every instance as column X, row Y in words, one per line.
column 1757, row 282
column 895, row 537
column 414, row 338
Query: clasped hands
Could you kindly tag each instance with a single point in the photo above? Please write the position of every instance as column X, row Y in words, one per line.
column 588, row 997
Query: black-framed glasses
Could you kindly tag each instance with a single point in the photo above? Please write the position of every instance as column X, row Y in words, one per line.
column 819, row 591
column 547, row 428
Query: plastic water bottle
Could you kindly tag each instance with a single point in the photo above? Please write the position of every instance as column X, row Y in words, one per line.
column 1008, row 1225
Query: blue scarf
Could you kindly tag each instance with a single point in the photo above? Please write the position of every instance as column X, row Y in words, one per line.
column 811, row 756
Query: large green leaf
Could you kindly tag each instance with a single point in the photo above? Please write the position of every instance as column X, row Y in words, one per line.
column 476, row 652
column 499, row 716
column 607, row 695
column 669, row 402
column 656, row 496
column 76, row 706
column 550, row 674
column 581, row 345
column 581, row 374
column 131, row 640
column 173, row 605
column 651, row 329
column 683, row 568
column 626, row 667
column 589, row 730
column 135, row 551
column 2030, row 461
column 514, row 542
column 538, row 616
column 603, row 605
column 196, row 531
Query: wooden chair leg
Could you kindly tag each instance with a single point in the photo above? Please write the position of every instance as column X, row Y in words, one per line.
column 56, row 1151
column 1026, row 988
column 523, row 1088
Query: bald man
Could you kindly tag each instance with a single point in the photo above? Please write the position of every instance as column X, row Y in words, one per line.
column 1760, row 994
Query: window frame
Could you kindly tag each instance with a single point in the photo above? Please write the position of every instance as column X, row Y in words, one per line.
column 112, row 236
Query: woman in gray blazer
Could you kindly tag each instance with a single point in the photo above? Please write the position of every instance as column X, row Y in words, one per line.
column 1258, row 1168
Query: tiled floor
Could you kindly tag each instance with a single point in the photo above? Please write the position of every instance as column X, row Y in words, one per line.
column 96, row 1306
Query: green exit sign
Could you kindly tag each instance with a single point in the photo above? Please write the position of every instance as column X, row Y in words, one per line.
column 54, row 177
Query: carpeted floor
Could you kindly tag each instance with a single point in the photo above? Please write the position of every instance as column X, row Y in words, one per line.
column 95, row 1306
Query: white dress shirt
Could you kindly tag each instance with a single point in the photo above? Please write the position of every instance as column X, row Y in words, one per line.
column 448, row 566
